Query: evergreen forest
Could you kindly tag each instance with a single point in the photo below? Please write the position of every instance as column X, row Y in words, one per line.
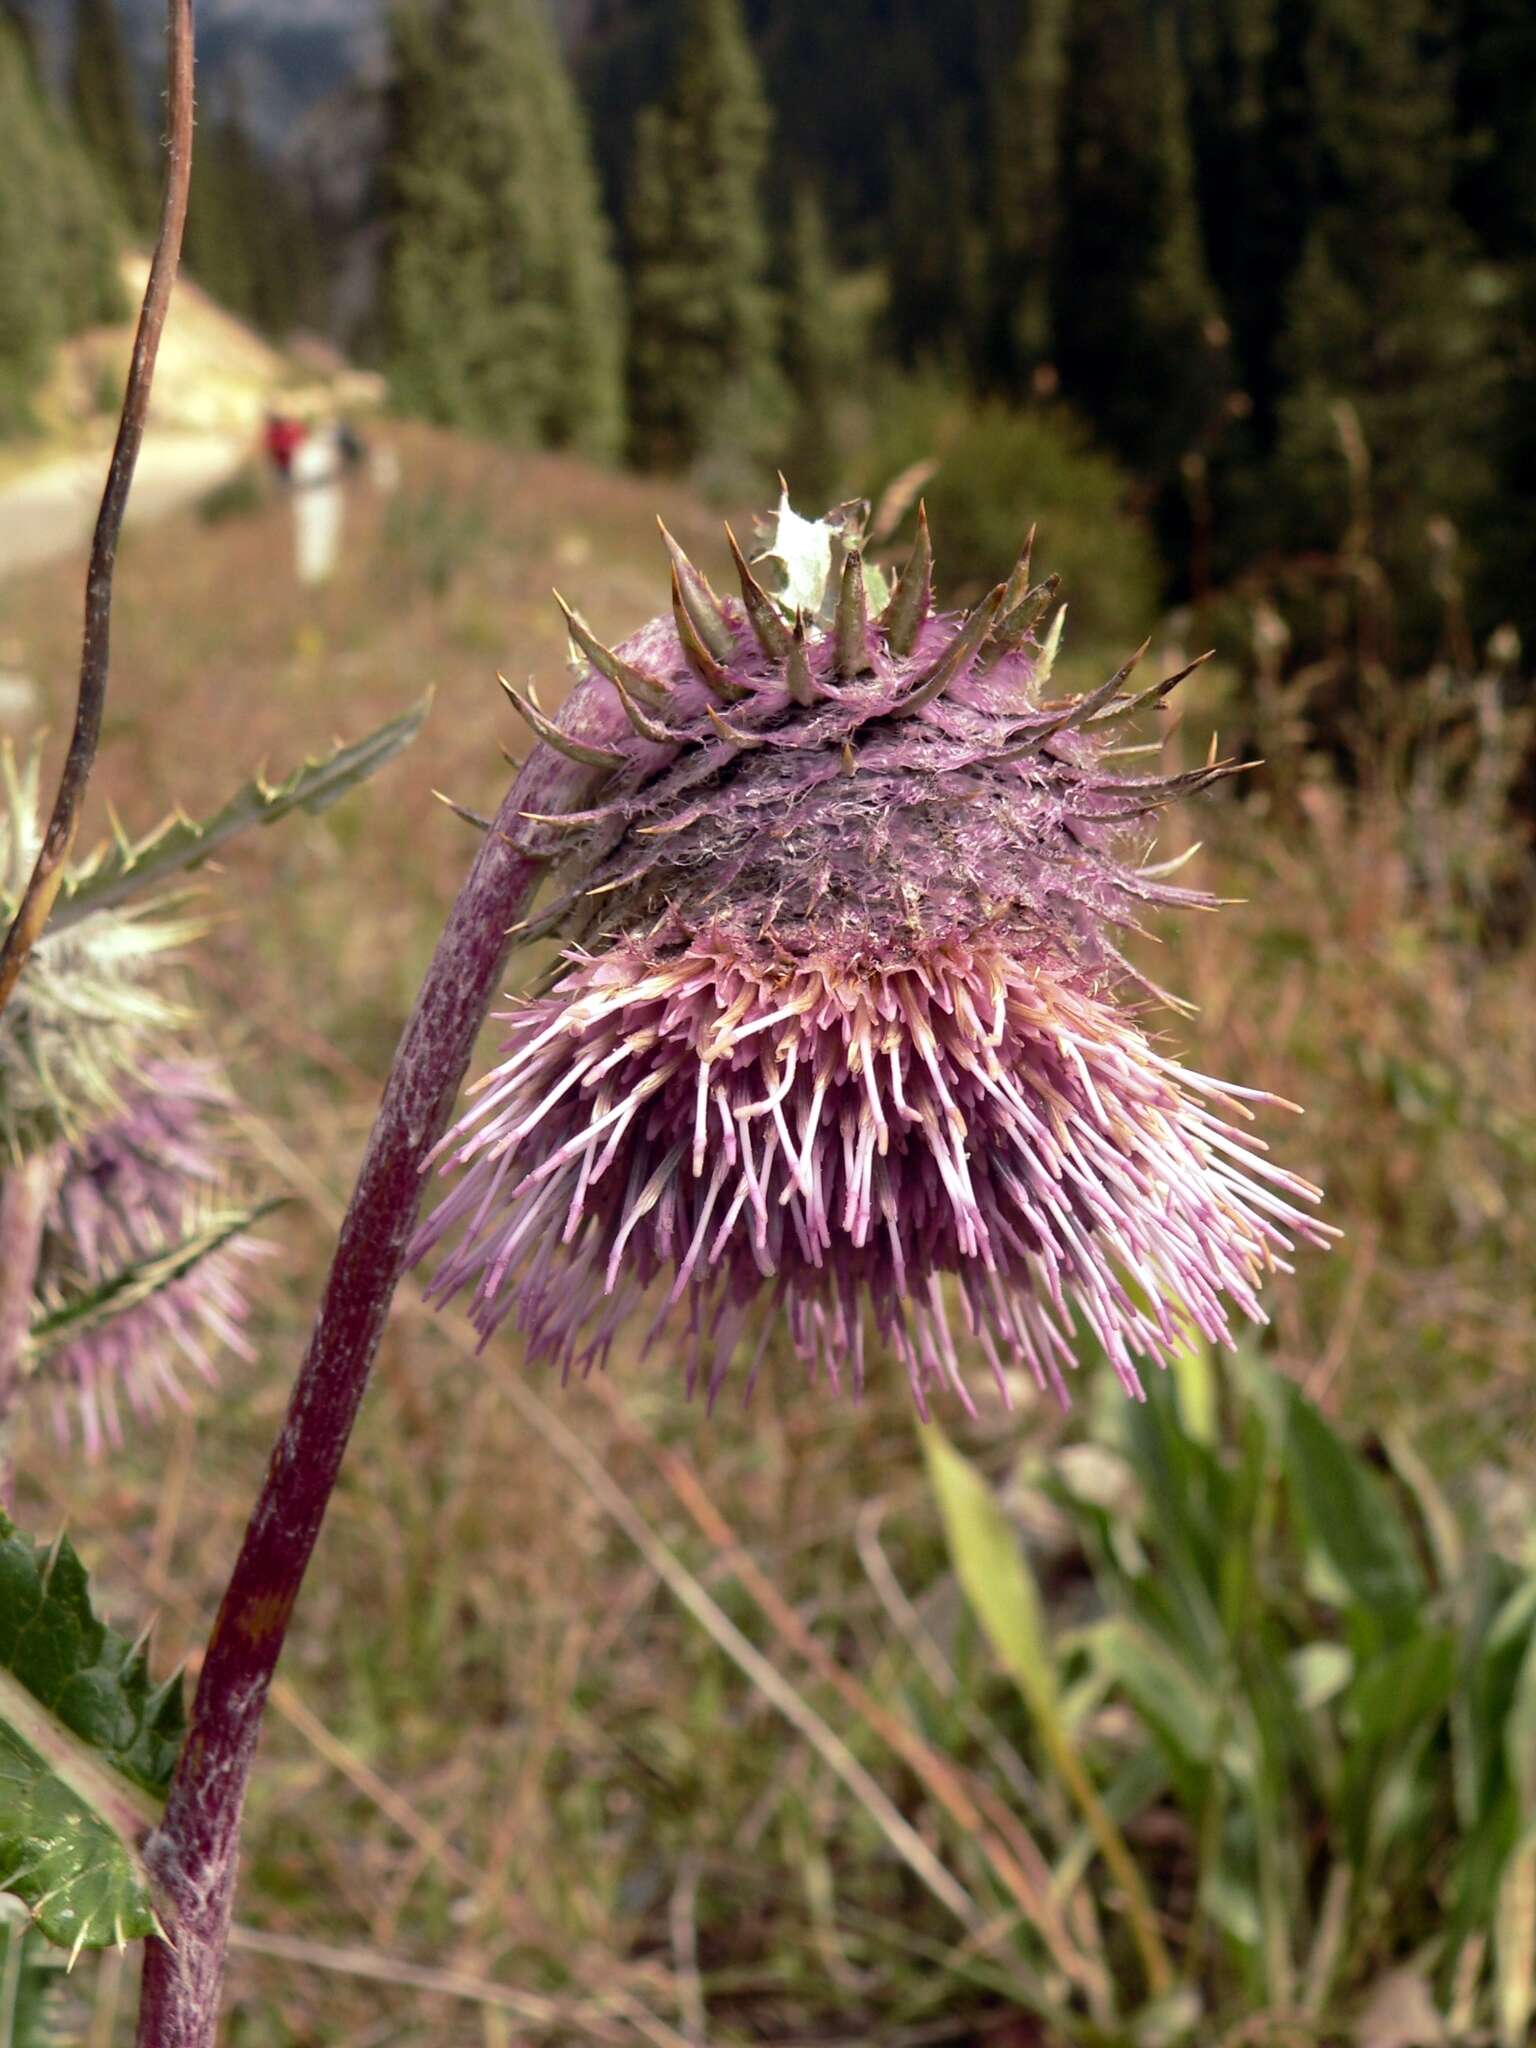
column 1264, row 272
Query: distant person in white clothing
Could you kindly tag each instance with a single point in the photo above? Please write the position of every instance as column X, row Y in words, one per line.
column 315, row 472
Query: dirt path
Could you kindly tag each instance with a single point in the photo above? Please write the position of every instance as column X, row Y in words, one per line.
column 51, row 510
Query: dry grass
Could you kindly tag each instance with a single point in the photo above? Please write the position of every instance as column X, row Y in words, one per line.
column 512, row 1790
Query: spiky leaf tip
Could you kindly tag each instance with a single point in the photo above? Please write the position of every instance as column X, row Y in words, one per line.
column 87, row 1745
column 127, row 868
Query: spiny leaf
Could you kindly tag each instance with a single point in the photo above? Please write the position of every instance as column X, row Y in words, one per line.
column 31, row 1977
column 87, row 1746
column 136, row 1283
column 127, row 867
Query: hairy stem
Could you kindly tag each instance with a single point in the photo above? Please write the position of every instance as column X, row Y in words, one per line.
column 95, row 655
column 192, row 1855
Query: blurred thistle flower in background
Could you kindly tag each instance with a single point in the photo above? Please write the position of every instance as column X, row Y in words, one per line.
column 92, row 999
column 835, row 1037
column 142, row 1256
column 135, row 1245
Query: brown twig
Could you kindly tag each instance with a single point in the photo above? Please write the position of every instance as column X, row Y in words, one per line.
column 37, row 902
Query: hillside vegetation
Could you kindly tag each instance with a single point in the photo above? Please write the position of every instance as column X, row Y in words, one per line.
column 511, row 1790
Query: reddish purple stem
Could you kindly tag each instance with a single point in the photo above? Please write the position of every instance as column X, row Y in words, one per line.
column 192, row 1855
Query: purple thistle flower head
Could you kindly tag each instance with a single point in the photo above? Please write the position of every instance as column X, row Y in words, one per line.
column 835, row 1044
column 138, row 1237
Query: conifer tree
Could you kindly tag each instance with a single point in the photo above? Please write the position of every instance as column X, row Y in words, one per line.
column 1383, row 310
column 58, row 256
column 501, row 302
column 702, row 371
column 1497, row 197
column 1136, row 333
column 17, row 24
column 1183, row 322
column 251, row 241
column 104, row 102
column 1025, row 195
column 225, row 221
column 1506, row 530
column 936, row 311
column 1253, row 132
column 26, row 319
column 812, row 351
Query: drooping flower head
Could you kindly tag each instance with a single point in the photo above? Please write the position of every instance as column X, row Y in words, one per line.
column 837, row 1042
column 143, row 1256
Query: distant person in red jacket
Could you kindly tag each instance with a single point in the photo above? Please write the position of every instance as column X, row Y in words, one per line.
column 283, row 437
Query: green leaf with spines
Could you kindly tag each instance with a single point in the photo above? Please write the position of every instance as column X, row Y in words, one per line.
column 87, row 1746
column 127, row 867
column 31, row 1978
column 132, row 1285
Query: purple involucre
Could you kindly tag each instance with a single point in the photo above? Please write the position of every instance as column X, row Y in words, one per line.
column 840, row 1041
column 135, row 1190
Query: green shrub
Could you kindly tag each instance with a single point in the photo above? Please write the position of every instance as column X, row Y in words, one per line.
column 1001, row 470
column 239, row 497
column 429, row 536
column 1294, row 1705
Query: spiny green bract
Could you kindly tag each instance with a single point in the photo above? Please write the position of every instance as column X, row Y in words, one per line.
column 90, row 1001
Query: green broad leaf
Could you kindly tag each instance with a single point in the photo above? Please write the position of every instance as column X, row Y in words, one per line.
column 1511, row 1625
column 1447, row 1541
column 127, row 867
column 87, row 1746
column 1194, row 1376
column 1411, row 1682
column 1229, row 1895
column 1188, row 1521
column 1514, row 1945
column 1520, row 1731
column 1176, row 1701
column 1319, row 1672
column 994, row 1574
column 1352, row 1519
column 75, row 1317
